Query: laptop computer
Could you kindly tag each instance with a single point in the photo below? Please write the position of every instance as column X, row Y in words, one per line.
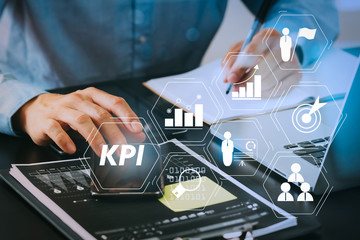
column 327, row 157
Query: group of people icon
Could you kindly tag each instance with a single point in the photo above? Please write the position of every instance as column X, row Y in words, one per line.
column 295, row 177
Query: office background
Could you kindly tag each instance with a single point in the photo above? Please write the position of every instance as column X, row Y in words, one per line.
column 236, row 12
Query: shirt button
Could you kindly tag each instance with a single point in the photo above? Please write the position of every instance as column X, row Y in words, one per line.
column 192, row 34
column 142, row 39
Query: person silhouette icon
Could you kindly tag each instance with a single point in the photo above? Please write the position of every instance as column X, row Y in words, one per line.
column 227, row 148
column 295, row 177
column 285, row 196
column 305, row 196
column 285, row 45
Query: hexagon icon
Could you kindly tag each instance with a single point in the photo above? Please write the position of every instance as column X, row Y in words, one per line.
column 124, row 168
column 240, row 148
column 311, row 118
column 185, row 113
column 294, row 193
column 190, row 185
column 252, row 95
column 309, row 36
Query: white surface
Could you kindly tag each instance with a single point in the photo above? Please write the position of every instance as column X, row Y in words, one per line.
column 238, row 20
column 234, row 28
column 335, row 71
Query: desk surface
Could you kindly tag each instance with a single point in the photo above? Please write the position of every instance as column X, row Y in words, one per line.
column 338, row 217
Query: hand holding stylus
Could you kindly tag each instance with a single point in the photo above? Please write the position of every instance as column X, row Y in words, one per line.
column 236, row 71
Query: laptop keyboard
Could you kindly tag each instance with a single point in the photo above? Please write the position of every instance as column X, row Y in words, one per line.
column 312, row 151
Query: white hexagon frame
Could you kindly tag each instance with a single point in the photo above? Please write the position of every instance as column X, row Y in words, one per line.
column 123, row 120
column 252, row 120
column 322, row 199
column 168, row 157
column 217, row 79
column 192, row 81
column 274, row 112
column 316, row 63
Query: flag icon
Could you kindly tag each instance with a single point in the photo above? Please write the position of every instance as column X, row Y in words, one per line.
column 307, row 33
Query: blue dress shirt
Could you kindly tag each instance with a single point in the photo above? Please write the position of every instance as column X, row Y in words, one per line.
column 51, row 44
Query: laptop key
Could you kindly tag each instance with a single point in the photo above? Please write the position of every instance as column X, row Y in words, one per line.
column 318, row 140
column 290, row 146
column 312, row 160
column 309, row 159
column 308, row 150
column 318, row 154
column 307, row 145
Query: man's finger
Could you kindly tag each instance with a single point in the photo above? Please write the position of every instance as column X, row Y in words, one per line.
column 117, row 106
column 132, row 137
column 109, row 128
column 54, row 131
column 242, row 64
column 83, row 124
column 229, row 64
column 228, row 60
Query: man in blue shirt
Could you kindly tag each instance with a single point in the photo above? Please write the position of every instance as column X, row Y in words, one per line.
column 52, row 44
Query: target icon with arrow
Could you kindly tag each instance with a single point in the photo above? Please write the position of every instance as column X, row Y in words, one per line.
column 306, row 118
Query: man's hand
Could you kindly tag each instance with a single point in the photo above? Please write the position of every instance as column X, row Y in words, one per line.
column 236, row 72
column 47, row 117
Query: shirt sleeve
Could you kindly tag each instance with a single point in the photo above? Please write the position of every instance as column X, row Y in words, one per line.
column 2, row 4
column 13, row 95
column 324, row 11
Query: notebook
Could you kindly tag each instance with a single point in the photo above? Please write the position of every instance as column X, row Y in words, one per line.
column 201, row 86
column 60, row 191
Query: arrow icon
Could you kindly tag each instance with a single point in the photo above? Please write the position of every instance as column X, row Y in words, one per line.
column 306, row 118
column 242, row 163
column 317, row 105
column 256, row 67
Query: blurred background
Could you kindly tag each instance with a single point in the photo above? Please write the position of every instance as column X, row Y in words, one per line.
column 236, row 12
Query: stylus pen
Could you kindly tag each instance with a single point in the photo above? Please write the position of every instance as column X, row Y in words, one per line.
column 259, row 20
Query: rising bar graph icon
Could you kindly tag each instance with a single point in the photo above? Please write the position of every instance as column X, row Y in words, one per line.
column 252, row 91
column 186, row 119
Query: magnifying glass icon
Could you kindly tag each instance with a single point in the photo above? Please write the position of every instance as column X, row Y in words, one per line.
column 180, row 190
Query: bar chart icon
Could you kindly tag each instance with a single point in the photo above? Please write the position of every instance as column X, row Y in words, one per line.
column 186, row 119
column 252, row 91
